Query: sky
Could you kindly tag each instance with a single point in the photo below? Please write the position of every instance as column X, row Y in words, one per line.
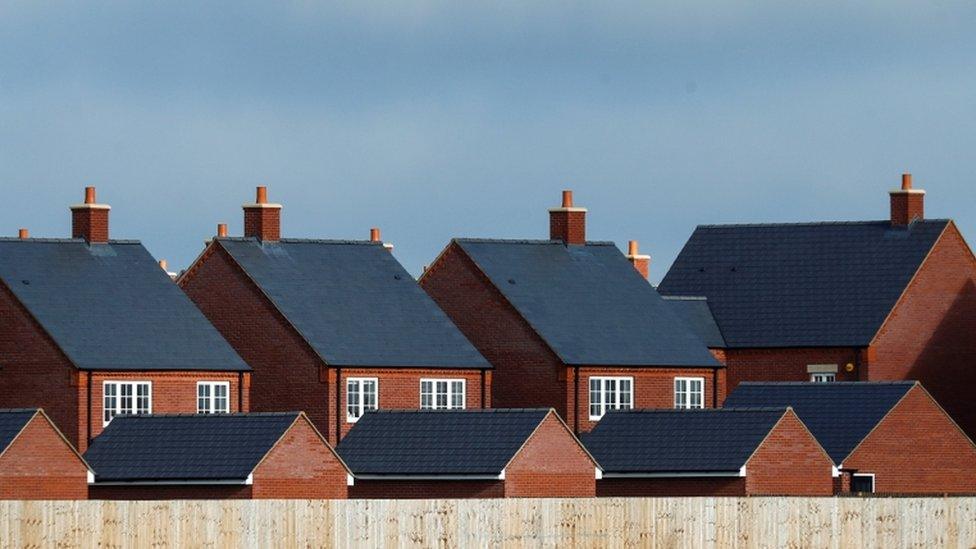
column 434, row 120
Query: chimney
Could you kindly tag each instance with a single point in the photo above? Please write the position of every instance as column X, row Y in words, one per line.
column 262, row 220
column 163, row 265
column 23, row 234
column 640, row 262
column 374, row 236
column 221, row 230
column 90, row 220
column 907, row 204
column 567, row 223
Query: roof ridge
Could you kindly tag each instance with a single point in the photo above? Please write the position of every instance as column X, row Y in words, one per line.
column 812, row 223
column 683, row 297
column 189, row 414
column 463, row 411
column 830, row 384
column 55, row 240
column 17, row 410
column 700, row 410
column 528, row 241
column 302, row 241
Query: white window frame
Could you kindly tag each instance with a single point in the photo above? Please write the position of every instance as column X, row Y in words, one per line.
column 822, row 377
column 118, row 398
column 602, row 406
column 687, row 404
column 212, row 397
column 361, row 405
column 873, row 487
column 450, row 394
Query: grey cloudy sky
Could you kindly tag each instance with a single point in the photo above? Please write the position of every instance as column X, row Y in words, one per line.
column 441, row 119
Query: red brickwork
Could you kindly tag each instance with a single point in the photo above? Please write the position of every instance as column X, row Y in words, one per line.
column 789, row 462
column 916, row 449
column 238, row 491
column 39, row 464
column 907, row 207
column 90, row 224
column 552, row 464
column 426, row 489
column 671, row 487
column 789, row 364
column 263, row 223
column 300, row 466
column 568, row 226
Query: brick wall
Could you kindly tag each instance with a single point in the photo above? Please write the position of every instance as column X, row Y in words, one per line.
column 551, row 464
column 668, row 487
column 788, row 364
column 34, row 373
column 568, row 226
column 789, row 462
column 285, row 373
column 929, row 335
column 426, row 489
column 39, row 464
column 90, row 224
column 917, row 449
column 300, row 466
column 239, row 491
column 526, row 372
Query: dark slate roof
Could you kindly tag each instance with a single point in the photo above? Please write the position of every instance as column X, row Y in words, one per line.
column 354, row 303
column 679, row 441
column 698, row 316
column 456, row 442
column 588, row 303
column 110, row 306
column 795, row 285
column 204, row 447
column 838, row 414
column 11, row 423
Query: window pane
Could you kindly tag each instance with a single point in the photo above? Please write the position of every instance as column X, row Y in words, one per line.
column 626, row 395
column 610, row 394
column 203, row 398
column 352, row 398
column 426, row 395
column 111, row 402
column 457, row 395
column 125, row 400
column 142, row 398
column 369, row 395
column 221, row 401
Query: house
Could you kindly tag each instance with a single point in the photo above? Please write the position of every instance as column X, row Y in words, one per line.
column 885, row 437
column 37, row 461
column 333, row 327
column 92, row 328
column 571, row 324
column 467, row 454
column 238, row 456
column 697, row 315
column 715, row 452
column 846, row 301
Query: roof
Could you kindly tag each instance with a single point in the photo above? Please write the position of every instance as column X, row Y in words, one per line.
column 188, row 447
column 587, row 303
column 110, row 306
column 420, row 443
column 12, row 422
column 839, row 414
column 679, row 441
column 354, row 303
column 801, row 285
column 698, row 316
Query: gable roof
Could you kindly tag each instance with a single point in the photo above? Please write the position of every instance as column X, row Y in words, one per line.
column 185, row 447
column 587, row 303
column 698, row 317
column 434, row 443
column 354, row 303
column 110, row 306
column 839, row 414
column 804, row 284
column 12, row 422
column 679, row 441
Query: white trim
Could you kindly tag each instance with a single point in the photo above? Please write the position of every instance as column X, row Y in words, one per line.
column 250, row 479
column 362, row 405
column 742, row 471
column 834, row 471
column 91, row 477
column 906, row 191
column 450, row 392
column 704, row 474
column 118, row 396
column 219, row 482
column 603, row 395
column 688, row 393
column 350, row 480
column 570, row 209
column 599, row 473
column 265, row 205
column 823, row 377
column 90, row 207
column 873, row 486
column 213, row 397
column 500, row 476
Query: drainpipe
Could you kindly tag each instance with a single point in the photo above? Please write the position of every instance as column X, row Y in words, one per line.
column 714, row 387
column 338, row 393
column 88, row 375
column 482, row 388
column 240, row 392
column 576, row 399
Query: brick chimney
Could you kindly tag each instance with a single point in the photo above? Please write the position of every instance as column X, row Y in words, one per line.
column 567, row 223
column 261, row 219
column 23, row 234
column 907, row 204
column 640, row 262
column 90, row 220
column 221, row 230
column 374, row 236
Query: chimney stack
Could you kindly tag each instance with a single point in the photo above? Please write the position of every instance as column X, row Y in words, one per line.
column 567, row 223
column 262, row 220
column 23, row 234
column 640, row 262
column 163, row 265
column 907, row 204
column 221, row 230
column 374, row 236
column 90, row 220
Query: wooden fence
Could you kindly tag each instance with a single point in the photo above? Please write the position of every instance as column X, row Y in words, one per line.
column 612, row 522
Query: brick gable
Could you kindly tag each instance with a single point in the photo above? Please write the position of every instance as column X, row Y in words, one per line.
column 789, row 461
column 40, row 464
column 551, row 464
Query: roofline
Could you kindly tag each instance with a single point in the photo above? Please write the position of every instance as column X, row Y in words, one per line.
column 832, row 383
column 54, row 342
column 674, row 474
column 340, row 241
column 540, row 241
column 373, row 366
column 552, row 412
column 174, row 482
column 103, row 369
column 476, row 476
column 809, row 223
column 55, row 240
column 611, row 365
column 40, row 412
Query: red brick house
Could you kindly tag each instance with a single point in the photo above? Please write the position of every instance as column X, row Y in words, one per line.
column 720, row 452
column 570, row 324
column 852, row 301
column 37, row 461
column 91, row 328
column 885, row 437
column 467, row 454
column 216, row 456
column 332, row 327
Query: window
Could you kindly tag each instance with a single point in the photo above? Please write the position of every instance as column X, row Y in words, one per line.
column 442, row 394
column 823, row 378
column 689, row 392
column 126, row 397
column 361, row 396
column 862, row 483
column 610, row 393
column 212, row 397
